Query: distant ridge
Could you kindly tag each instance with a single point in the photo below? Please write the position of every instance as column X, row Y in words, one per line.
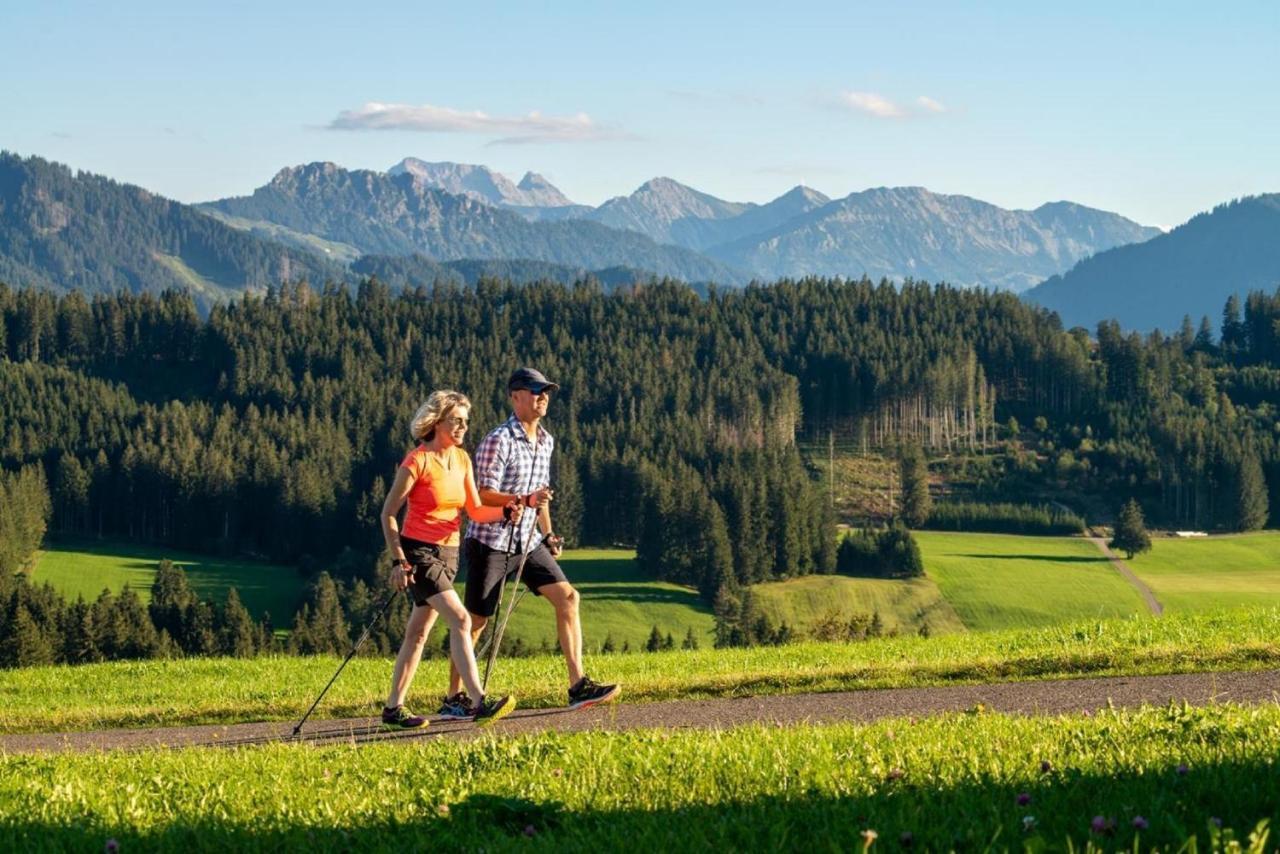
column 1192, row 270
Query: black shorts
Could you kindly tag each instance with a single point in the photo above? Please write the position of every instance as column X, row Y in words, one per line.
column 434, row 568
column 485, row 577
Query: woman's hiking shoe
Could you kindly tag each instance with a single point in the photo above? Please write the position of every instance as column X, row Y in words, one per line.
column 492, row 709
column 588, row 693
column 457, row 707
column 401, row 718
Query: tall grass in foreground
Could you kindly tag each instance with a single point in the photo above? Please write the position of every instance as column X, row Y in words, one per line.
column 169, row 693
column 1158, row 777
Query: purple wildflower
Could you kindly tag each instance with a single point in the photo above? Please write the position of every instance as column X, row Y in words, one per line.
column 530, row 830
column 1182, row 769
column 1140, row 823
column 1215, row 821
column 1024, row 798
column 1045, row 766
column 1100, row 824
column 111, row 847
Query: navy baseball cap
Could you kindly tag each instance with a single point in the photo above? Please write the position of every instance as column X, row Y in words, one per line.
column 534, row 381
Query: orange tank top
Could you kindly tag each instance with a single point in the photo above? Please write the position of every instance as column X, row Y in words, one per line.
column 438, row 494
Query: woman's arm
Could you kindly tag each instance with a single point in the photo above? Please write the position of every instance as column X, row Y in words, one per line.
column 396, row 495
column 477, row 511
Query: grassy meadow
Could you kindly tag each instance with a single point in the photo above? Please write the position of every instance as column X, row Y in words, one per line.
column 1155, row 778
column 1212, row 572
column 904, row 605
column 84, row 568
column 619, row 601
column 1000, row 581
column 222, row 690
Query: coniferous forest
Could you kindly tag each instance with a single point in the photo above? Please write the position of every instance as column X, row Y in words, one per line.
column 272, row 425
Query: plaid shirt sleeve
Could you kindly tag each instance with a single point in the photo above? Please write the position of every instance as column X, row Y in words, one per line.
column 491, row 461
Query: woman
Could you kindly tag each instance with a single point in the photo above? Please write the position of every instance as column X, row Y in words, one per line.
column 436, row 480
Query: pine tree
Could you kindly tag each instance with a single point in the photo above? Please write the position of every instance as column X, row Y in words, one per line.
column 24, row 644
column 1131, row 535
column 690, row 640
column 1251, row 494
column 236, row 633
column 655, row 641
column 916, row 503
column 608, row 645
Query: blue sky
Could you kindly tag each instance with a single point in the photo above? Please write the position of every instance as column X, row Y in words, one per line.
column 1156, row 111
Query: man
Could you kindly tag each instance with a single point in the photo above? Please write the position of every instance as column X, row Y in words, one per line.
column 513, row 463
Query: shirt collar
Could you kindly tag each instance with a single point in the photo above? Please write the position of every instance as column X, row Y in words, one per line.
column 517, row 429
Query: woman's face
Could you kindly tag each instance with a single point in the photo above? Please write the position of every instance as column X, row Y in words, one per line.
column 452, row 429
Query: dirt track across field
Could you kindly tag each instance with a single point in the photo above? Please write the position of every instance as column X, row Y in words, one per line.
column 1121, row 567
column 1049, row 697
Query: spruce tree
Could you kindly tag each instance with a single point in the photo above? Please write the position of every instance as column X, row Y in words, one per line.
column 690, row 640
column 655, row 641
column 1251, row 494
column 916, row 503
column 237, row 635
column 1131, row 535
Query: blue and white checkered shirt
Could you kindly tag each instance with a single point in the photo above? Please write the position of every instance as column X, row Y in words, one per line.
column 506, row 461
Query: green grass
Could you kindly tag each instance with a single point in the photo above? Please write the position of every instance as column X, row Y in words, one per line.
column 190, row 691
column 1213, row 572
column 951, row 782
column 903, row 605
column 85, row 568
column 997, row 581
column 619, row 601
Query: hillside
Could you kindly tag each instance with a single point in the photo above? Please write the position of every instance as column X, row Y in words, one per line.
column 909, row 232
column 382, row 214
column 66, row 230
column 1192, row 270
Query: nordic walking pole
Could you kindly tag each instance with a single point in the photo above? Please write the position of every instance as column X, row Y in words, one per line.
column 496, row 640
column 506, row 568
column 364, row 636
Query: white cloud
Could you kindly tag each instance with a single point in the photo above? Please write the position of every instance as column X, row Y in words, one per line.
column 931, row 105
column 534, row 127
column 873, row 104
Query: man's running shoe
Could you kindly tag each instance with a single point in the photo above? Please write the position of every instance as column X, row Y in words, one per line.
column 588, row 693
column 457, row 707
column 492, row 709
column 401, row 718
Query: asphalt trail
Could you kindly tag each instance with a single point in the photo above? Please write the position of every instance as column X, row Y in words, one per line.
column 1049, row 697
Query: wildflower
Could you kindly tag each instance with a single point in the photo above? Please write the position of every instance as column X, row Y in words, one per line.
column 1182, row 769
column 1215, row 821
column 1045, row 766
column 1100, row 824
column 443, row 809
column 895, row 774
column 868, row 836
column 1028, row 823
column 906, row 840
column 111, row 847
column 557, row 772
column 1024, row 798
column 530, row 830
column 1140, row 823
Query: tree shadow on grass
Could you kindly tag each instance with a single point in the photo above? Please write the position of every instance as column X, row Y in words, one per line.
column 905, row 813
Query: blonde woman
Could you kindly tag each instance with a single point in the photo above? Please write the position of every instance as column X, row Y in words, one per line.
column 437, row 482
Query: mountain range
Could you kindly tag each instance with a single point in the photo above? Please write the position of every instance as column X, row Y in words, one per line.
column 1192, row 270
column 422, row 222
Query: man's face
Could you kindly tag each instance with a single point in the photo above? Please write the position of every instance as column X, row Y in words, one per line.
column 528, row 405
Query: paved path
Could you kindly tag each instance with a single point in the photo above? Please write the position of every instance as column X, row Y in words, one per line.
column 1123, row 568
column 1048, row 697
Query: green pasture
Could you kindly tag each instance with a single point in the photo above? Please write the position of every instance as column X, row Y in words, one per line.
column 619, row 601
column 85, row 568
column 223, row 690
column 1167, row 779
column 1212, row 572
column 997, row 581
column 904, row 605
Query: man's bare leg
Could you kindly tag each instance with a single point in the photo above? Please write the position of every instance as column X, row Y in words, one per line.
column 564, row 598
